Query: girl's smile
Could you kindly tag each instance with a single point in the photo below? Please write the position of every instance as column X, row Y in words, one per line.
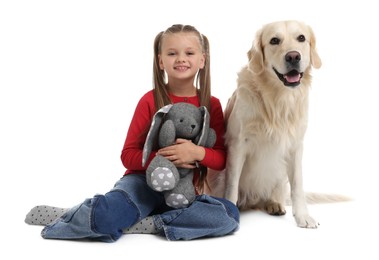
column 181, row 68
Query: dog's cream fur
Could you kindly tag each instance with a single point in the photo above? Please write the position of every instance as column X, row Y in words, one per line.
column 266, row 121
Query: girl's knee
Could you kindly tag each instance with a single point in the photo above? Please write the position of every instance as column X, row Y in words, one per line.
column 112, row 212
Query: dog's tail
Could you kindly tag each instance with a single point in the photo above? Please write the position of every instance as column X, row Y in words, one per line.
column 319, row 198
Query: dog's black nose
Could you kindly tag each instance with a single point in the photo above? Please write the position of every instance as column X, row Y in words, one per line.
column 293, row 57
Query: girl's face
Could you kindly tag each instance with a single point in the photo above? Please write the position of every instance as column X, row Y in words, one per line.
column 181, row 56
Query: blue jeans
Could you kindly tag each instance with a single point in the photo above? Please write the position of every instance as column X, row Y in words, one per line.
column 103, row 217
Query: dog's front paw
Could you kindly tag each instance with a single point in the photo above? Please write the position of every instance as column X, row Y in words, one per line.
column 306, row 221
column 274, row 208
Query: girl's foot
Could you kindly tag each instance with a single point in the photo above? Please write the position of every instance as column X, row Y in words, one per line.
column 145, row 226
column 44, row 215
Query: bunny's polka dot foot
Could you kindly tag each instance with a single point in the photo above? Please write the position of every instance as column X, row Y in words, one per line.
column 162, row 179
column 177, row 201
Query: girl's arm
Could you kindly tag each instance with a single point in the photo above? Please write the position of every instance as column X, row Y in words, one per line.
column 131, row 155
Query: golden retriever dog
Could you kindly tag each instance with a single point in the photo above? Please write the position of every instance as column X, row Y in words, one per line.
column 266, row 119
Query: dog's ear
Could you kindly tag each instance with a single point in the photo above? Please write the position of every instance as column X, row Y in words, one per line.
column 315, row 58
column 255, row 55
column 153, row 132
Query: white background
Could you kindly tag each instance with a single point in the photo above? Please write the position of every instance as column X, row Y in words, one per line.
column 71, row 73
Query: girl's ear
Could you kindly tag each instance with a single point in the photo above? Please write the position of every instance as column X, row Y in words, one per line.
column 202, row 61
column 160, row 62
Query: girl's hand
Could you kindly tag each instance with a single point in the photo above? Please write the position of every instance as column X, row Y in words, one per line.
column 183, row 153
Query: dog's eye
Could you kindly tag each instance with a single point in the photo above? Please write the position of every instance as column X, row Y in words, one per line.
column 301, row 38
column 274, row 41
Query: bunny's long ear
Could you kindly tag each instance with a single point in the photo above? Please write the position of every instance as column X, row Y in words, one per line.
column 153, row 132
column 205, row 128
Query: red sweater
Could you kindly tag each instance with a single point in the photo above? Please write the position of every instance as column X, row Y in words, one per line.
column 131, row 155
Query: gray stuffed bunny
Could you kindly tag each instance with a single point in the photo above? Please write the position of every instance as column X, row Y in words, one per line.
column 180, row 120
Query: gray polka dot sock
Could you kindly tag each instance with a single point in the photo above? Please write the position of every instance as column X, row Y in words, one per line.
column 43, row 215
column 145, row 226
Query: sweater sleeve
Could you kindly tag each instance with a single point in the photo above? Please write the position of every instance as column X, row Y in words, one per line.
column 215, row 157
column 131, row 155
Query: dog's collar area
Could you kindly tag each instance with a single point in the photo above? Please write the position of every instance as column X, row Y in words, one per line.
column 291, row 79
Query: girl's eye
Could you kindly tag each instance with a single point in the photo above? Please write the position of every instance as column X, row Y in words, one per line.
column 190, row 53
column 171, row 54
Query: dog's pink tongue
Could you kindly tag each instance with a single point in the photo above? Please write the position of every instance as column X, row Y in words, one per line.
column 292, row 78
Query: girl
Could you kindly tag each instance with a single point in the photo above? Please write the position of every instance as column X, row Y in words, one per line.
column 181, row 59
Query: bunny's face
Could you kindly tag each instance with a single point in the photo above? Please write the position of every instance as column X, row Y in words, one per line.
column 187, row 120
